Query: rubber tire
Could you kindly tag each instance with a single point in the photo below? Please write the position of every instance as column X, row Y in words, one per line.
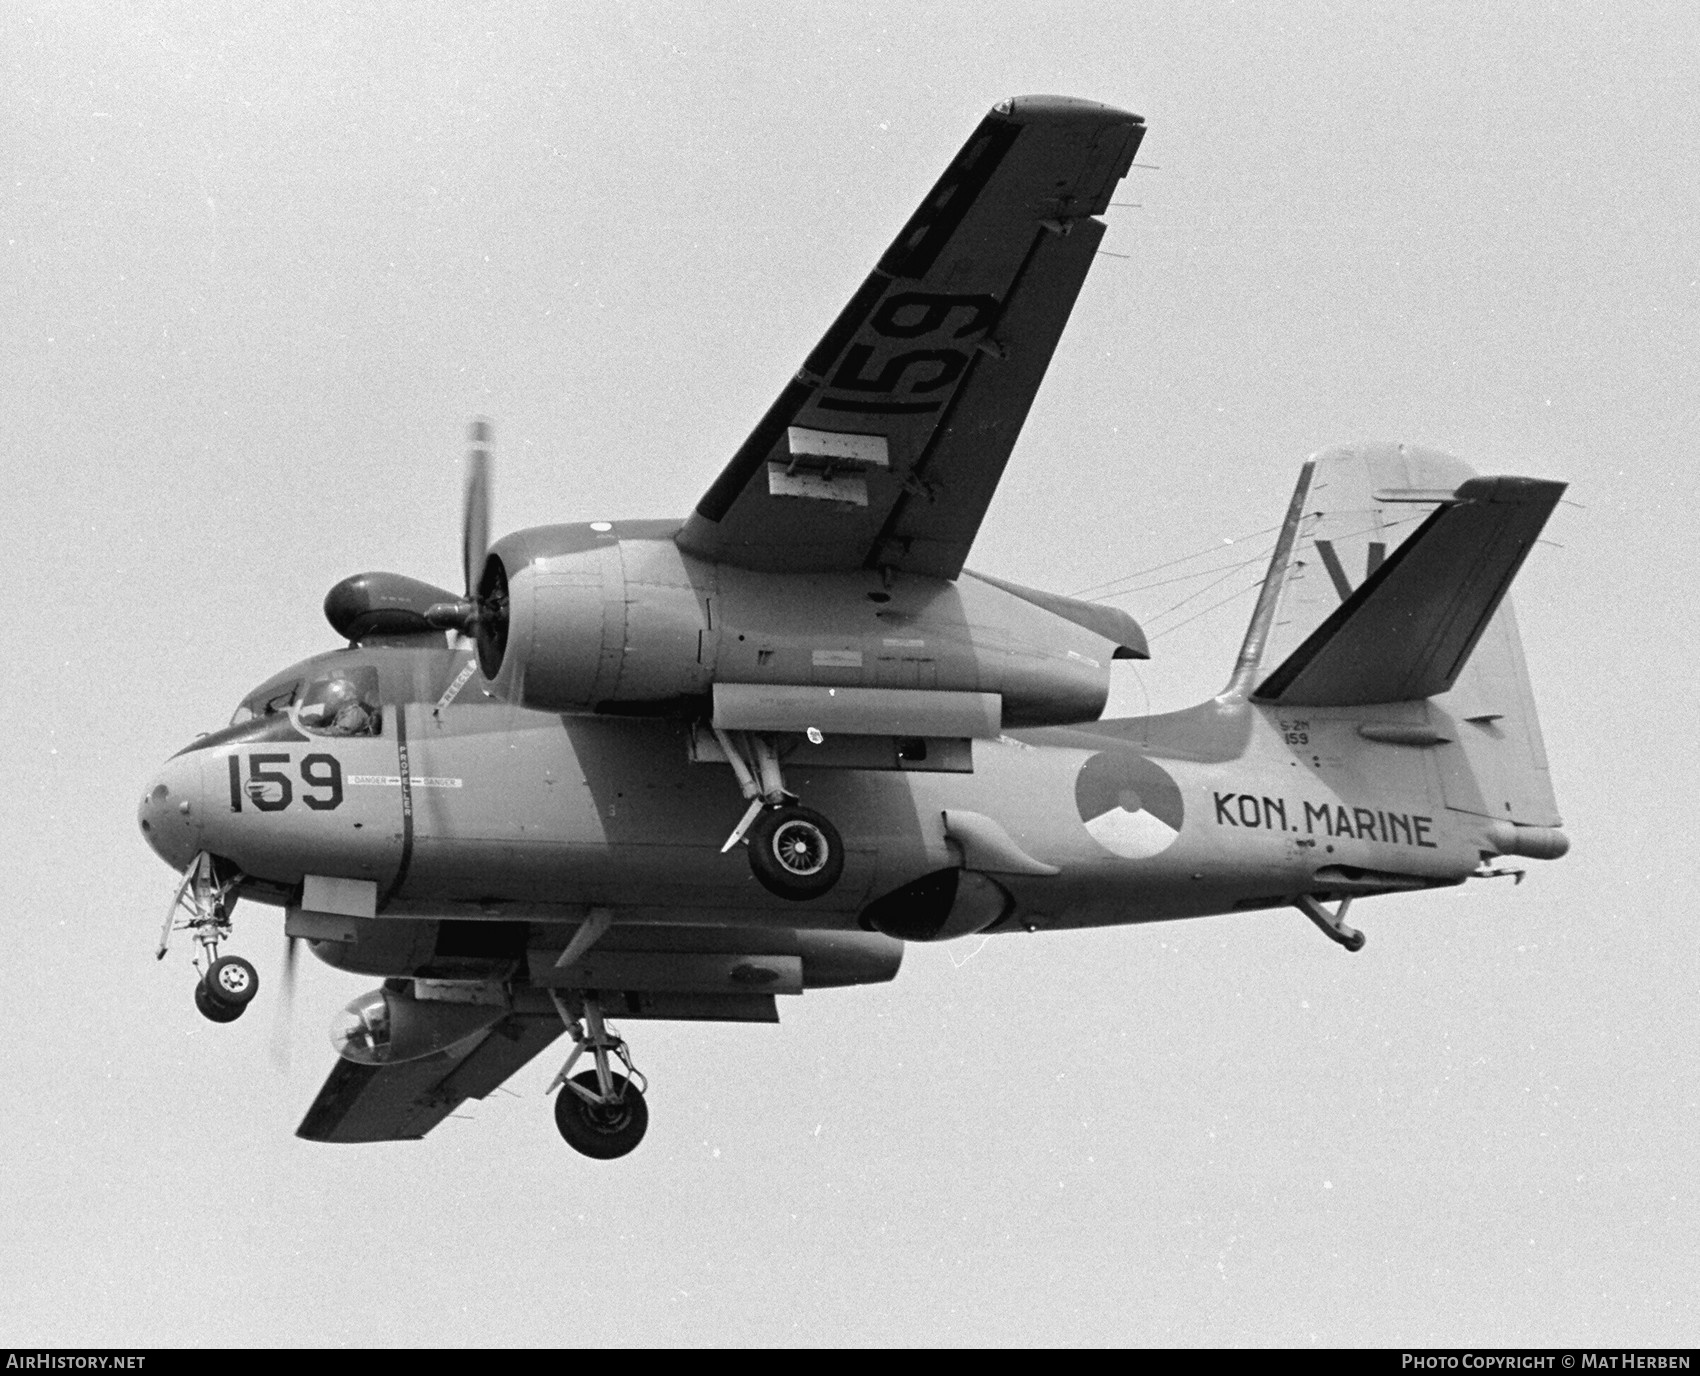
column 232, row 981
column 601, row 1133
column 213, row 1010
column 772, row 830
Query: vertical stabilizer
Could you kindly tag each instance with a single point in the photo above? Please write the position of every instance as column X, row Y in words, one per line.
column 1364, row 501
column 1388, row 585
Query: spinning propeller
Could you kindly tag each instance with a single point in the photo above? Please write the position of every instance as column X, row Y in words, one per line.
column 483, row 611
column 284, row 1018
column 475, row 508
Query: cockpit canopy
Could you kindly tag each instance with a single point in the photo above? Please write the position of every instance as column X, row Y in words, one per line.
column 328, row 699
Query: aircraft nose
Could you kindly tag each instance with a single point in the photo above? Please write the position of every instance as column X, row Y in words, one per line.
column 170, row 814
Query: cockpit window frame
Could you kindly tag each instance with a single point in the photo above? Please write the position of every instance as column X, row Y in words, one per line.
column 278, row 702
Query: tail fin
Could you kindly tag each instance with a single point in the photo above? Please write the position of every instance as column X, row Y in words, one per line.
column 1388, row 585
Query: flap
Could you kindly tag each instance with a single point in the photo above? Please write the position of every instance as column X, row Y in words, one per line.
column 857, row 711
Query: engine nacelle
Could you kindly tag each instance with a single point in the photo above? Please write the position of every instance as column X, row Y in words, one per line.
column 384, row 1026
column 615, row 617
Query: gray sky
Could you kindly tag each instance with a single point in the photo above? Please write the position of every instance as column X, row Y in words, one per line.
column 262, row 263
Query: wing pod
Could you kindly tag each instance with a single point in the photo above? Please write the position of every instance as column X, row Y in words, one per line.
column 385, row 1026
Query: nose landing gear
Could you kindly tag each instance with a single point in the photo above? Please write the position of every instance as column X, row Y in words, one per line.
column 600, row 1112
column 228, row 983
column 795, row 852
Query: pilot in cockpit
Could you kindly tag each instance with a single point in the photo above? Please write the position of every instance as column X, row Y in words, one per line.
column 336, row 708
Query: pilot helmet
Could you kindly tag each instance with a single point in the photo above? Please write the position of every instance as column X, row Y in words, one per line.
column 335, row 695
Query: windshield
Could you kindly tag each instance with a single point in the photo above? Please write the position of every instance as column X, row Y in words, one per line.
column 266, row 701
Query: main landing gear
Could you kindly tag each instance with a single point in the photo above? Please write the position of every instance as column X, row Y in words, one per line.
column 794, row 851
column 228, row 983
column 599, row 1111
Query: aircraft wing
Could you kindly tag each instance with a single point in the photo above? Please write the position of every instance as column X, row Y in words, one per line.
column 885, row 449
column 405, row 1100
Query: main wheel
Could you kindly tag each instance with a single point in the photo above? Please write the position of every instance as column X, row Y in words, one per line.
column 233, row 981
column 795, row 852
column 215, row 1011
column 602, row 1131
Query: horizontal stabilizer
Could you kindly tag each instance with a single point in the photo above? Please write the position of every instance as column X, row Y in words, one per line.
column 1408, row 629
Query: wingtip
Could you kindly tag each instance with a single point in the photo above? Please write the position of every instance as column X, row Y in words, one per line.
column 1034, row 109
column 1511, row 488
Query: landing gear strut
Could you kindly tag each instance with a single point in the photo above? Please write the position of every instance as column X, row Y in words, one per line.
column 228, row 983
column 795, row 852
column 600, row 1111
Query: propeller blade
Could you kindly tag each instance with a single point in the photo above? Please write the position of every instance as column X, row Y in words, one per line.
column 475, row 521
column 284, row 1019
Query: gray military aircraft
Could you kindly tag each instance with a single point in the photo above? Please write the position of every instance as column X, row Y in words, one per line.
column 521, row 806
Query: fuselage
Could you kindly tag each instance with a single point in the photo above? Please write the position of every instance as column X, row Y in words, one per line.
column 461, row 806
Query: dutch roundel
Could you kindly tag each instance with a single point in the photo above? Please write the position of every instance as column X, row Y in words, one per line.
column 1131, row 807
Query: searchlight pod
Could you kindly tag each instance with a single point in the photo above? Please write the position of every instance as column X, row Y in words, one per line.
column 385, row 1026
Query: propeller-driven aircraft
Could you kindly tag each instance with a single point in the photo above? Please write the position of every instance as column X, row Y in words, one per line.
column 523, row 807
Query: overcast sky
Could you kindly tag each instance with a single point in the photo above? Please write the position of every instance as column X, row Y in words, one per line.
column 262, row 264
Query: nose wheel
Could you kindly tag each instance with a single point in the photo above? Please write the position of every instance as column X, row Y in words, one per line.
column 794, row 851
column 201, row 906
column 227, row 988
